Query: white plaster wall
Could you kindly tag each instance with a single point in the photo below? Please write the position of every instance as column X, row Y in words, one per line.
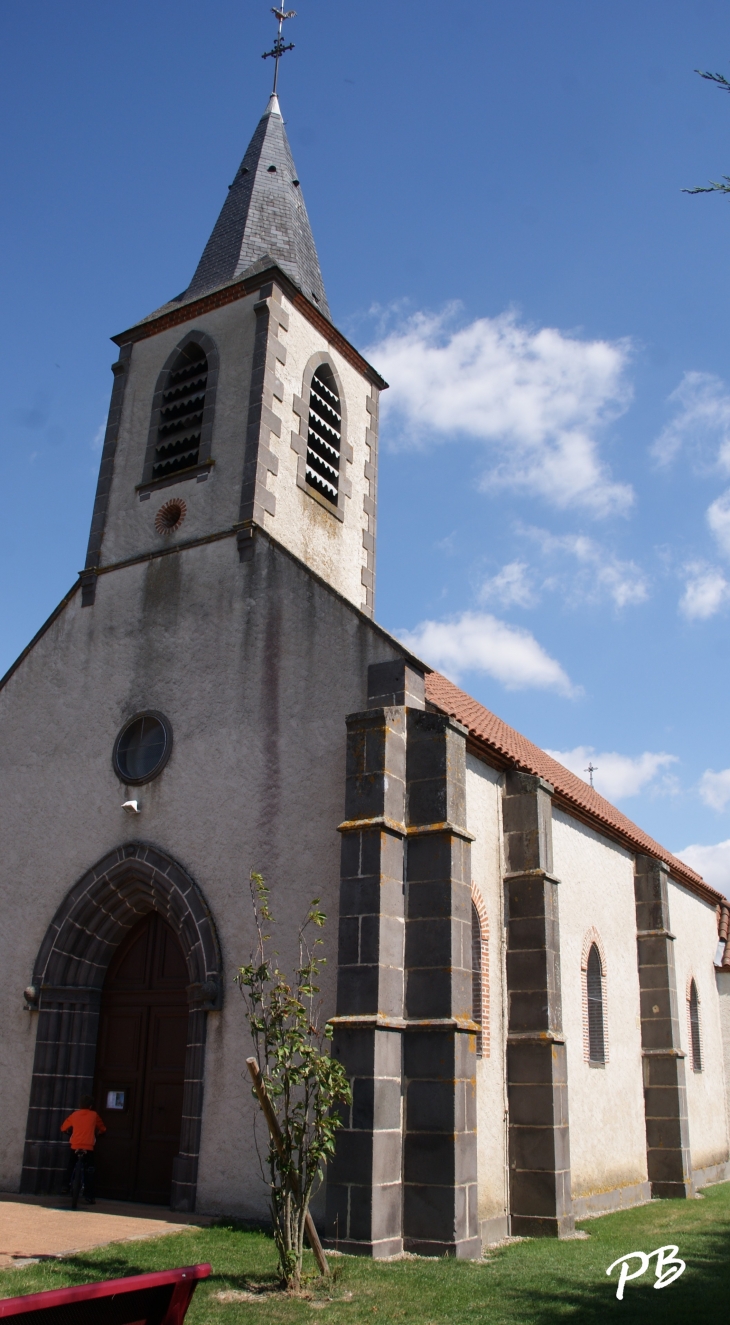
column 694, row 923
column 212, row 505
column 606, row 1105
column 722, row 980
column 483, row 817
column 256, row 666
column 333, row 548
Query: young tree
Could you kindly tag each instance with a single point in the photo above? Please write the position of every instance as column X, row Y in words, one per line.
column 715, row 186
column 303, row 1083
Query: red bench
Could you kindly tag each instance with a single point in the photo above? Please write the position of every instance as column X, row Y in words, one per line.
column 161, row 1298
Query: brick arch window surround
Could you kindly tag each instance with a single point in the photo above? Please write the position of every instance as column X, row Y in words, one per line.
column 181, row 424
column 694, row 1026
column 595, row 1020
column 480, row 971
column 68, row 978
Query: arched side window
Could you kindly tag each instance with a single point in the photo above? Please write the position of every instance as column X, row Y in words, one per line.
column 181, row 413
column 695, row 1034
column 480, row 973
column 594, row 983
column 181, row 426
column 595, row 1026
column 324, row 434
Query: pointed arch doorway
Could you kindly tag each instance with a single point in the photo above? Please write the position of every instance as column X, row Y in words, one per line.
column 140, row 1064
column 82, row 943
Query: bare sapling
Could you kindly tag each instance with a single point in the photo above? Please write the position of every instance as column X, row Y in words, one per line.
column 299, row 1081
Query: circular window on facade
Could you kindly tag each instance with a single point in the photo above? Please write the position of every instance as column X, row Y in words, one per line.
column 142, row 747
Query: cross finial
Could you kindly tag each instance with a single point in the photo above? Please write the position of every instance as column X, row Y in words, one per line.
column 591, row 769
column 278, row 48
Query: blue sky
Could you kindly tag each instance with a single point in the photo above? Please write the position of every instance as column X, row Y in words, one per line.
column 496, row 195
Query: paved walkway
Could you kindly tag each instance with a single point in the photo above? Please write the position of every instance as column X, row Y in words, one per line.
column 33, row 1227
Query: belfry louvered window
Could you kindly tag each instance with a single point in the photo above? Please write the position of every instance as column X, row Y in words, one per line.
column 477, row 977
column 594, row 983
column 693, row 1008
column 324, row 434
column 181, row 413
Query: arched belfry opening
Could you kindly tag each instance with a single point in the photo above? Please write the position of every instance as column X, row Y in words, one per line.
column 181, row 413
column 324, row 434
column 137, row 922
column 180, row 434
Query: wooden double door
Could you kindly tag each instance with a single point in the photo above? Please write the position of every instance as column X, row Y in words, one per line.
column 140, row 1065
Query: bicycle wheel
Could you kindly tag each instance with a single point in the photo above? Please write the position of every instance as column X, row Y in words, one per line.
column 77, row 1182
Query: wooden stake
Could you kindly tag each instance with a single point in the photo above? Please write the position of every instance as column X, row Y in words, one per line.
column 275, row 1130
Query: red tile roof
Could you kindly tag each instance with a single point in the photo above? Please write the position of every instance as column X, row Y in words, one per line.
column 571, row 793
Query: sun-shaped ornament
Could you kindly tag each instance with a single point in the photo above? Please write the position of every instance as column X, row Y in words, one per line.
column 170, row 516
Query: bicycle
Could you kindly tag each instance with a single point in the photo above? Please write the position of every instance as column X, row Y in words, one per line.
column 81, row 1173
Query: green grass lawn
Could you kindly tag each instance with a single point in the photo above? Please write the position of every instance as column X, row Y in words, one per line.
column 525, row 1283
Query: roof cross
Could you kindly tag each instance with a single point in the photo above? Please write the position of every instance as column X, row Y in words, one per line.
column 279, row 47
column 590, row 770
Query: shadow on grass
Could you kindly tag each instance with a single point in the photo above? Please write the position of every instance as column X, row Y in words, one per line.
column 118, row 1264
column 701, row 1293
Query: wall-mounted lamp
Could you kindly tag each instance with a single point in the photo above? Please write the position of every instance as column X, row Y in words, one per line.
column 131, row 807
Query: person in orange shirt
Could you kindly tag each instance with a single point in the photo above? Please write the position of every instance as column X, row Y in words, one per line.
column 85, row 1125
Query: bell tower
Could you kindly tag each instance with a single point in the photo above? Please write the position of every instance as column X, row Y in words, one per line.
column 238, row 406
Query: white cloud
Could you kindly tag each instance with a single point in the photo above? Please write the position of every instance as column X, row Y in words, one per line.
column 602, row 573
column 98, row 438
column 510, row 586
column 712, row 862
column 718, row 518
column 477, row 641
column 534, row 399
column 706, row 591
column 701, row 422
column 616, row 776
column 715, row 788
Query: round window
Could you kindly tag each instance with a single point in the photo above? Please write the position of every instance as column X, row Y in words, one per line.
column 142, row 747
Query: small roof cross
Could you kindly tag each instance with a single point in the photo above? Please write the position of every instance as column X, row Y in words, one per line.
column 279, row 47
column 590, row 770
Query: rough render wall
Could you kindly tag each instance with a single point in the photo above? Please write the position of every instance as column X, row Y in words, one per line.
column 606, row 1104
column 695, row 924
column 483, row 811
column 214, row 504
column 256, row 667
column 333, row 548
column 722, row 979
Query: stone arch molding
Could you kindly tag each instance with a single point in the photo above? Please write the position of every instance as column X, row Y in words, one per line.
column 68, row 978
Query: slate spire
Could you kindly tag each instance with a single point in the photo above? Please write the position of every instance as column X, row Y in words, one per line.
column 263, row 217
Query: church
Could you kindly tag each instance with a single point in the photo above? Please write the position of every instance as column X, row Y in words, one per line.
column 530, row 995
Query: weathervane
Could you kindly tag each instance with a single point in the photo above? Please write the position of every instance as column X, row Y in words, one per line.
column 279, row 47
column 591, row 769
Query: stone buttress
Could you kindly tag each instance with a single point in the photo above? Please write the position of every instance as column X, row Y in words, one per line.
column 668, row 1159
column 537, row 1076
column 404, row 1174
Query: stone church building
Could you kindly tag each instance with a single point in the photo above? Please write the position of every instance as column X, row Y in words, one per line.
column 527, row 991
